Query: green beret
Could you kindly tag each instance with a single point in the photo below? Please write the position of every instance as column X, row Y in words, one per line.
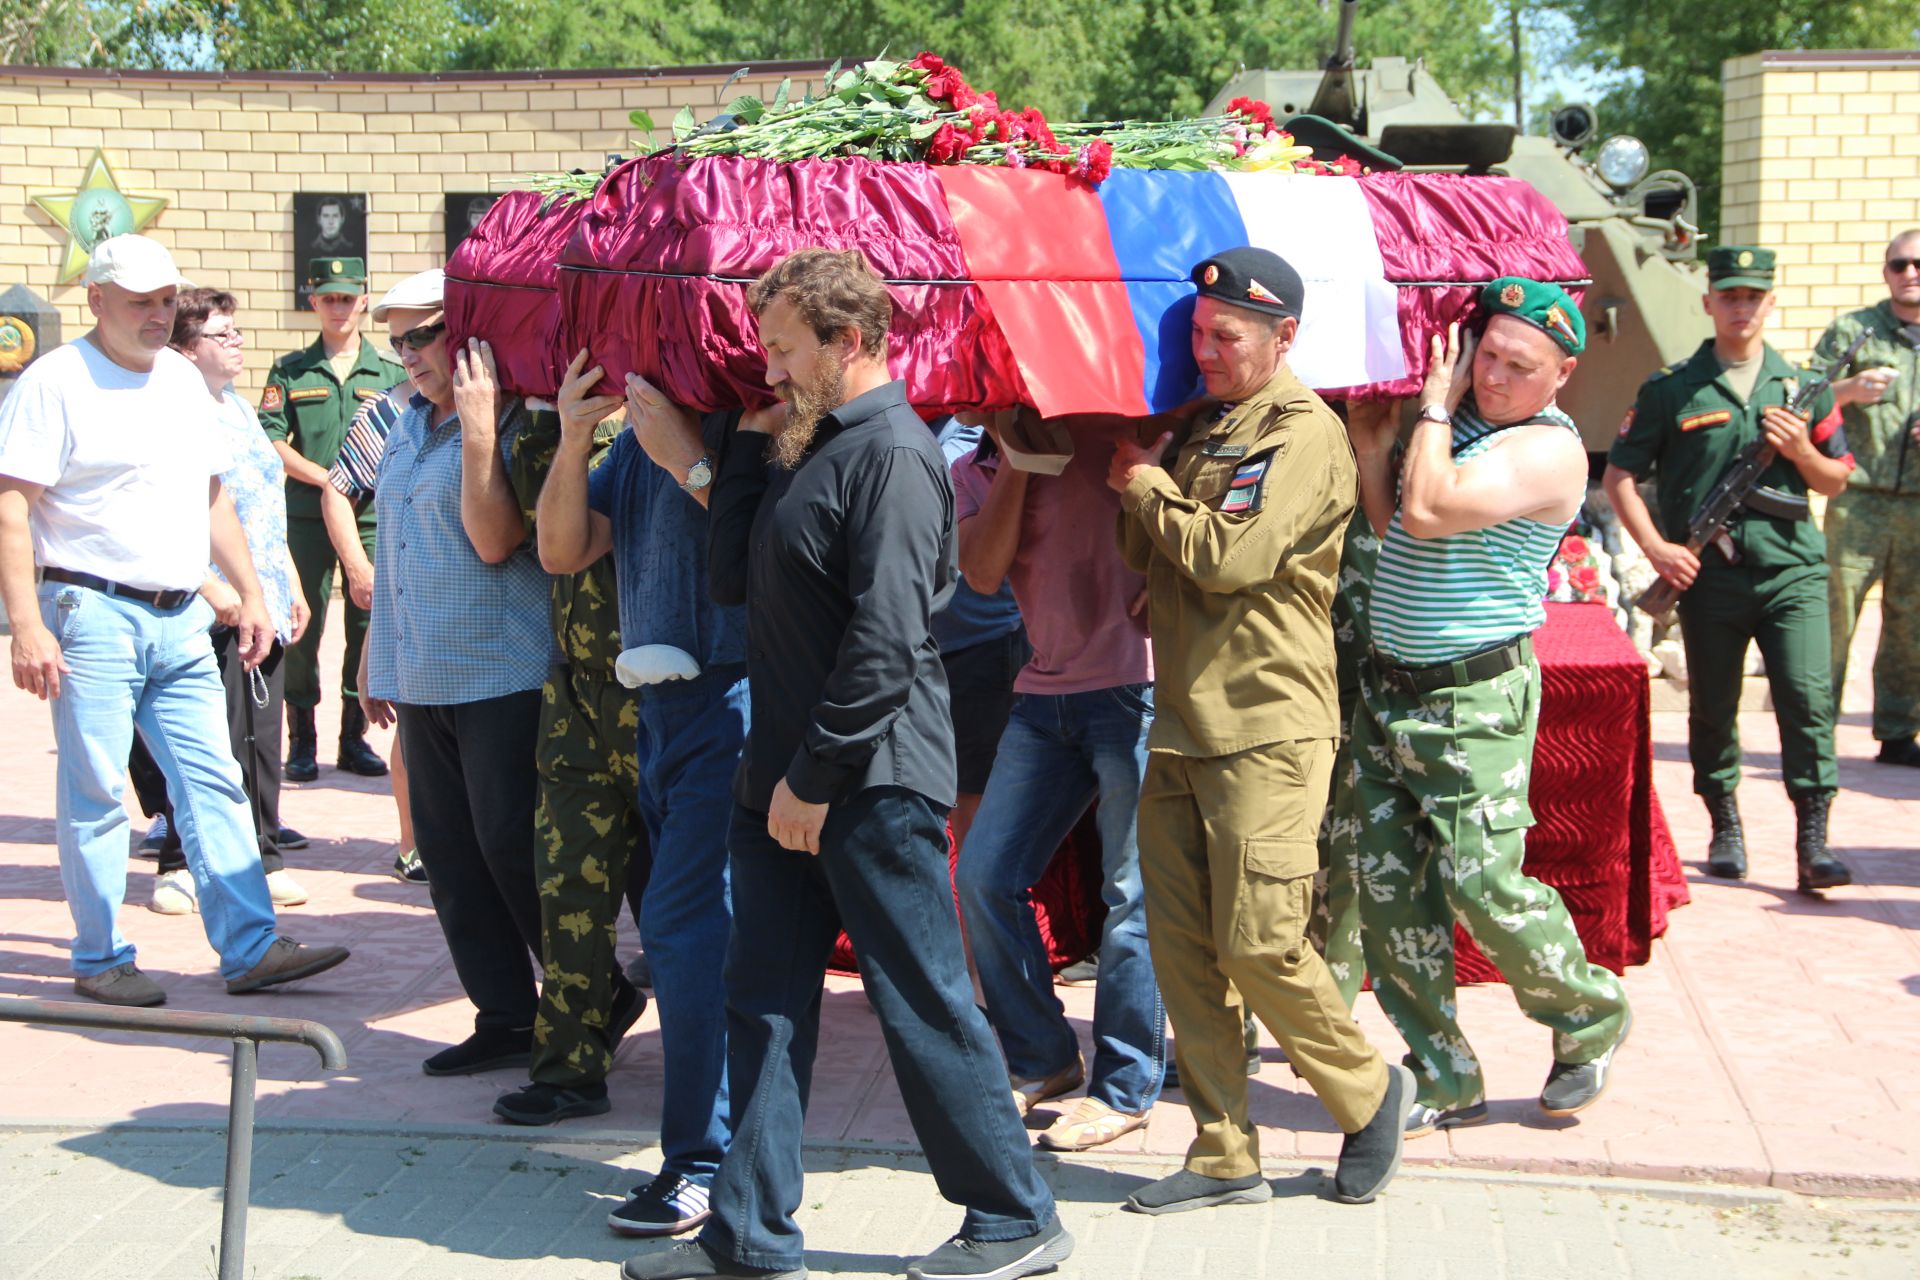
column 1544, row 306
column 1257, row 279
column 1740, row 266
column 337, row 275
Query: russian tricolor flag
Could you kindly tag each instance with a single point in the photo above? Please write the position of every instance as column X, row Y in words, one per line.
column 1091, row 288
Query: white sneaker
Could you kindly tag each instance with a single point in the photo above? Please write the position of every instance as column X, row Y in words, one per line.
column 174, row 894
column 284, row 889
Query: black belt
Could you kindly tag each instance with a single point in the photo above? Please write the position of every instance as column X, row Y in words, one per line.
column 158, row 599
column 1475, row 667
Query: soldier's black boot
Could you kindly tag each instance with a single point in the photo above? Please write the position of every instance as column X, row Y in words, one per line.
column 1727, row 853
column 355, row 755
column 1900, row 751
column 301, row 766
column 1819, row 869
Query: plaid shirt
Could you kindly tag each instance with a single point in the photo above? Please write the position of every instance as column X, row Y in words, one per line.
column 447, row 627
column 357, row 469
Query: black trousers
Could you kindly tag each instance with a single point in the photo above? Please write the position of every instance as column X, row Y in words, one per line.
column 259, row 762
column 470, row 770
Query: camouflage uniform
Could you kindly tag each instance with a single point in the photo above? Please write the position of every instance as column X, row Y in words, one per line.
column 1873, row 528
column 588, row 834
column 1335, row 928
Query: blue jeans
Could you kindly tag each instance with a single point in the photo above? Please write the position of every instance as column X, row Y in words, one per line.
column 691, row 733
column 132, row 664
column 882, row 871
column 1059, row 753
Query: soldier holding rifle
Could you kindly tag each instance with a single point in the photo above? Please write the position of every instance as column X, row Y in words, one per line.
column 1763, row 576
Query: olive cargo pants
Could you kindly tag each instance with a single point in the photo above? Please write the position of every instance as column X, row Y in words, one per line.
column 1228, row 856
column 1875, row 537
column 588, row 837
column 1442, row 806
column 314, row 561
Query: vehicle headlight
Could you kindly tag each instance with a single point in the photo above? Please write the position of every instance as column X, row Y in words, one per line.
column 1622, row 161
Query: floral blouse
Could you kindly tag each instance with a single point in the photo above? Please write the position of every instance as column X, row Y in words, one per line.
column 257, row 483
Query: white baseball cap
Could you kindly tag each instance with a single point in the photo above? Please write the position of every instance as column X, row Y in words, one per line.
column 424, row 291
column 135, row 263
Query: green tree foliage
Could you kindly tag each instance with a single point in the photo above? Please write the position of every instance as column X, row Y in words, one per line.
column 1669, row 56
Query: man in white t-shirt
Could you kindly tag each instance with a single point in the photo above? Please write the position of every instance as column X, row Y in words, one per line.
column 110, row 456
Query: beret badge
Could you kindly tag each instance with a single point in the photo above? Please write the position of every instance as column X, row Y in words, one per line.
column 1211, row 275
column 1512, row 296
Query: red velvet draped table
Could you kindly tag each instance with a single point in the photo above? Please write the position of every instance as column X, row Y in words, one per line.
column 1600, row 837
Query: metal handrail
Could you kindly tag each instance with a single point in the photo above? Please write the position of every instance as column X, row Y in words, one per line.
column 247, row 1034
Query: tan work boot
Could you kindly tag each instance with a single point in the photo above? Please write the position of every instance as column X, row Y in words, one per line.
column 286, row 961
column 1028, row 1094
column 122, row 985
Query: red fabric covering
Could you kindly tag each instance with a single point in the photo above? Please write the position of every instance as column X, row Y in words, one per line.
column 1600, row 837
column 501, row 285
column 1439, row 228
column 655, row 278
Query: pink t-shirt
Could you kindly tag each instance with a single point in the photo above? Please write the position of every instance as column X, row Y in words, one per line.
column 1068, row 579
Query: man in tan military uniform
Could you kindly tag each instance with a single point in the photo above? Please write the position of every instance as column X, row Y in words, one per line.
column 1240, row 540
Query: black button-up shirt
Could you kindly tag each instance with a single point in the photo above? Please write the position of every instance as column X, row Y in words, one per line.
column 842, row 563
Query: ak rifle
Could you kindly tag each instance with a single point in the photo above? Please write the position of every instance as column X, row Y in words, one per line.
column 1741, row 486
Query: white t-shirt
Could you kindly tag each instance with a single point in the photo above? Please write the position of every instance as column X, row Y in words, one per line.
column 124, row 459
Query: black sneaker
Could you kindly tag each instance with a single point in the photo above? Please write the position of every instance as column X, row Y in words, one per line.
column 408, row 867
column 156, row 838
column 689, row 1260
column 1423, row 1119
column 1186, row 1190
column 1371, row 1156
column 1899, row 751
column 1030, row 1255
column 483, row 1051
column 288, row 838
column 1575, row 1086
column 666, row 1206
column 1081, row 973
column 539, row 1104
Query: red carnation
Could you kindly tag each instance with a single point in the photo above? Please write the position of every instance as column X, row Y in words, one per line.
column 1252, row 110
column 1037, row 128
column 1094, row 161
column 929, row 62
column 945, row 86
column 947, row 145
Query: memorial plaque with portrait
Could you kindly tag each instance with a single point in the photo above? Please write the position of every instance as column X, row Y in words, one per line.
column 325, row 226
column 464, row 211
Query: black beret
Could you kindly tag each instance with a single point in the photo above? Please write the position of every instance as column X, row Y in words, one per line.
column 1257, row 279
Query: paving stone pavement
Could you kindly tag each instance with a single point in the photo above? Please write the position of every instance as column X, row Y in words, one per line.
column 144, row 1201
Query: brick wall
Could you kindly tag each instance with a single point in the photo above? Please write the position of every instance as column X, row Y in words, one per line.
column 1821, row 164
column 229, row 152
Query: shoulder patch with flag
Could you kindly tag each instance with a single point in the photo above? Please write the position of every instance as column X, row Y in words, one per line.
column 272, row 399
column 1711, row 418
column 1247, row 492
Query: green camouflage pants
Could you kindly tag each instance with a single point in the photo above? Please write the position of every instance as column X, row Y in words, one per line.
column 587, row 834
column 1334, row 930
column 1441, row 801
column 1875, row 537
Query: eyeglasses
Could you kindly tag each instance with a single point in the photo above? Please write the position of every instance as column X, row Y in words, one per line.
column 1900, row 266
column 421, row 338
column 226, row 337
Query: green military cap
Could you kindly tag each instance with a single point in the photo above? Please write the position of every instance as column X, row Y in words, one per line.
column 1331, row 141
column 1544, row 306
column 1740, row 266
column 337, row 275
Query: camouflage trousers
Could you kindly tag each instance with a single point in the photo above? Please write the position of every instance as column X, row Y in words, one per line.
column 1875, row 537
column 1334, row 929
column 587, row 837
column 1440, row 788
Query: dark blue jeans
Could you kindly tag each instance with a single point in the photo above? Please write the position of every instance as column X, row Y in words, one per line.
column 690, row 737
column 882, row 873
column 1060, row 752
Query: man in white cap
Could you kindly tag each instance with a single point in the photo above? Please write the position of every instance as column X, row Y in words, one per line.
column 110, row 457
column 457, row 650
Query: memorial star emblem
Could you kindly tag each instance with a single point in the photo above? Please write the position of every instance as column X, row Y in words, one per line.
column 94, row 211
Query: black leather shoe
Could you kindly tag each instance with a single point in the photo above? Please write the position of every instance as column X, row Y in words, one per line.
column 1899, row 751
column 1819, row 869
column 356, row 757
column 540, row 1104
column 483, row 1051
column 301, row 766
column 1727, row 852
column 288, row 838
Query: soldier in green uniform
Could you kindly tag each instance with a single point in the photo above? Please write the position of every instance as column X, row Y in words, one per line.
column 310, row 399
column 1873, row 527
column 1765, row 578
column 1449, row 704
column 1239, row 536
column 588, row 833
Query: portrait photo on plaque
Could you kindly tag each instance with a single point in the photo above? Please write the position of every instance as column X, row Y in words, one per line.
column 325, row 225
column 464, row 211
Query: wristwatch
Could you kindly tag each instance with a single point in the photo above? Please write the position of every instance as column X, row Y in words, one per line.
column 1435, row 413
column 699, row 475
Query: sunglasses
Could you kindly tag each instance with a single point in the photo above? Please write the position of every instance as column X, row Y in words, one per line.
column 1900, row 266
column 421, row 338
